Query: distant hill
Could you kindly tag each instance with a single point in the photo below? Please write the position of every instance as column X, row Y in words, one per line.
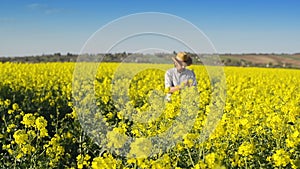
column 250, row 60
column 262, row 60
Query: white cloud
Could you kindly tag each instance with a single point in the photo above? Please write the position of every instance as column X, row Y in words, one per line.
column 45, row 8
column 37, row 6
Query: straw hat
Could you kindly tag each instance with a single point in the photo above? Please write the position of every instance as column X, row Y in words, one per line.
column 183, row 59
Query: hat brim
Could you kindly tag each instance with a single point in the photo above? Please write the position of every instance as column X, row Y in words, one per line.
column 182, row 63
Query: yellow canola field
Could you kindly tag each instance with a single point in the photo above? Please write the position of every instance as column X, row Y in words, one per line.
column 109, row 118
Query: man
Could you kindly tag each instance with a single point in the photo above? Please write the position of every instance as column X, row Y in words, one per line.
column 179, row 77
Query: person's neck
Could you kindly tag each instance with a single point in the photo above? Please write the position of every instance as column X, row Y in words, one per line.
column 180, row 71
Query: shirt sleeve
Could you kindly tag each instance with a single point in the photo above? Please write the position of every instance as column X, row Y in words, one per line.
column 168, row 80
column 194, row 79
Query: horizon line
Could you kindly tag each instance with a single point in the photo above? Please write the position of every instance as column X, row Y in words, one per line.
column 219, row 53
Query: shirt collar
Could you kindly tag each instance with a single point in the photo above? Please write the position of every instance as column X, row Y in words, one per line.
column 180, row 72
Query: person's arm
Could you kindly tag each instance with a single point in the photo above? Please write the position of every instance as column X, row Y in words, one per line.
column 191, row 81
column 169, row 83
column 174, row 89
column 194, row 79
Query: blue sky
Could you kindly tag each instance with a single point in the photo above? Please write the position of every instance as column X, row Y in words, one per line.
column 48, row 26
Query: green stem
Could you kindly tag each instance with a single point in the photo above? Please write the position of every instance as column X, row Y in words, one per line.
column 190, row 157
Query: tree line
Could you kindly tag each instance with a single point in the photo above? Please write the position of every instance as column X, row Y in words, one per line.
column 225, row 59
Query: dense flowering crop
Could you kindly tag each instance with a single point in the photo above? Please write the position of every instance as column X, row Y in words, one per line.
column 42, row 128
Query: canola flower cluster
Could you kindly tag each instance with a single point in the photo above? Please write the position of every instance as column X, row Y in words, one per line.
column 43, row 125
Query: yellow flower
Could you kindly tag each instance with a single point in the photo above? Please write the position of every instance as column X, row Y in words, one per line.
column 15, row 106
column 82, row 160
column 260, row 102
column 200, row 165
column 27, row 149
column 10, row 111
column 28, row 120
column 20, row 137
column 167, row 90
column 188, row 140
column 210, row 160
column 140, row 148
column 10, row 127
column 41, row 123
column 43, row 133
column 246, row 149
column 131, row 160
column 7, row 102
column 295, row 134
column 31, row 133
column 20, row 155
column 116, row 138
column 54, row 150
column 281, row 158
column 105, row 162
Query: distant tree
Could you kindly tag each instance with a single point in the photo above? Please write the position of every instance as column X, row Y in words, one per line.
column 57, row 54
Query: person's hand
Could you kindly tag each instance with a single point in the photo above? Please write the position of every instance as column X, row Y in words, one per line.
column 188, row 83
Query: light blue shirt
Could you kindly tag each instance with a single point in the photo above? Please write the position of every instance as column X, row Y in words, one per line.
column 175, row 78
